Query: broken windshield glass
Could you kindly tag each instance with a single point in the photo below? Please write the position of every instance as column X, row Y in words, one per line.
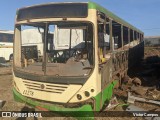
column 63, row 49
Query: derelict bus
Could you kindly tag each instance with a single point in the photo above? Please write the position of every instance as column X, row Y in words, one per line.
column 86, row 51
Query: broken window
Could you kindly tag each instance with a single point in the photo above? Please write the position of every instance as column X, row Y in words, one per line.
column 73, row 49
column 125, row 36
column 63, row 49
column 103, row 40
column 32, row 40
column 116, row 35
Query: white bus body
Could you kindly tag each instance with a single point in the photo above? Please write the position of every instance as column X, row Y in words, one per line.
column 6, row 45
column 61, row 39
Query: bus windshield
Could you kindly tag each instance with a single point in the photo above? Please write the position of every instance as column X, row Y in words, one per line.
column 57, row 49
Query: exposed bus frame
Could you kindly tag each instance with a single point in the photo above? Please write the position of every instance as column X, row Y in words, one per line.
column 119, row 57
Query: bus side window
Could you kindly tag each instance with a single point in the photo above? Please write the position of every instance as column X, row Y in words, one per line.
column 100, row 41
column 103, row 42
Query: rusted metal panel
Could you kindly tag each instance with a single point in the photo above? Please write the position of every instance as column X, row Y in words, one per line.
column 106, row 72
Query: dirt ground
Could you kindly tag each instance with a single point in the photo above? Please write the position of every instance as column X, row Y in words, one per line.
column 11, row 105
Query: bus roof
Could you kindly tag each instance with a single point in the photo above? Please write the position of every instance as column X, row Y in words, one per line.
column 6, row 31
column 92, row 5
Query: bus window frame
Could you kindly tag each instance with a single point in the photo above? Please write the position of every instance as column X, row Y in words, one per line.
column 19, row 71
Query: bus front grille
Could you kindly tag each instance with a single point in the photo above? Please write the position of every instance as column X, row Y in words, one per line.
column 46, row 87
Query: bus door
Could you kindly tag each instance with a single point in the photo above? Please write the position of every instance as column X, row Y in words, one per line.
column 105, row 61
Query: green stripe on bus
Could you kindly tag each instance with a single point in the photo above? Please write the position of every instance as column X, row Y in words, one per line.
column 71, row 111
column 105, row 95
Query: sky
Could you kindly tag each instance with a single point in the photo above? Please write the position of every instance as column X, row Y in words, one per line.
column 143, row 14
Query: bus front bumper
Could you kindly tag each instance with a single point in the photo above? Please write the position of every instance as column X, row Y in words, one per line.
column 74, row 112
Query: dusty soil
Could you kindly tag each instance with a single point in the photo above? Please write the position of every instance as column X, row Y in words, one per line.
column 11, row 105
